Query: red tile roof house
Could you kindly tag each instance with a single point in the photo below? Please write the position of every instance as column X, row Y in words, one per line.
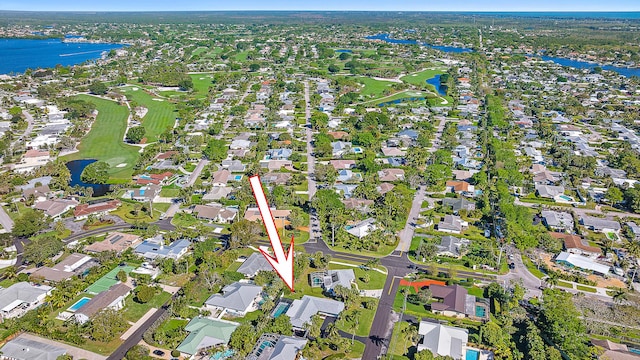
column 459, row 186
column 153, row 178
column 84, row 210
column 343, row 164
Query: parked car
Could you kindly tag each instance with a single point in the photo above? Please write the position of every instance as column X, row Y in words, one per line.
column 158, row 352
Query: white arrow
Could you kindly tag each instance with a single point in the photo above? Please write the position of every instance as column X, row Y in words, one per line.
column 282, row 264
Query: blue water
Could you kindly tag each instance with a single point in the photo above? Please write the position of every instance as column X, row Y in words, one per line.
column 387, row 38
column 635, row 351
column 76, row 167
column 480, row 311
column 20, row 54
column 281, row 309
column 80, row 303
column 222, row 355
column 628, row 72
column 344, row 51
column 435, row 81
column 472, row 354
column 398, row 101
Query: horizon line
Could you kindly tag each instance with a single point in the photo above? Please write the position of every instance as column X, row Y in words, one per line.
column 316, row 10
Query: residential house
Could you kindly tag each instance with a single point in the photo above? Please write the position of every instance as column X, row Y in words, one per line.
column 458, row 204
column 582, row 262
column 338, row 135
column 217, row 193
column 461, row 175
column 154, row 248
column 391, row 175
column 110, row 299
column 329, row 279
column 452, row 246
column 205, row 333
column 598, row 224
column 233, row 165
column 220, row 177
column 362, row 205
column 156, row 179
column 279, row 154
column 38, row 193
column 237, row 299
column 277, row 347
column 558, row 220
column 451, row 300
column 253, row 214
column 452, row 224
column 301, row 311
column 362, row 228
column 55, row 207
column 21, row 297
column 339, row 148
column 22, row 348
column 384, row 188
column 613, row 351
column 275, row 165
column 254, row 264
column 443, row 340
column 145, row 193
column 635, row 229
column 240, row 144
column 343, row 164
column 393, row 151
column 345, row 189
column 115, row 241
column 216, row 213
column 549, row 191
column 74, row 264
column 83, row 211
column 409, row 134
column 459, row 187
column 574, row 244
column 275, row 178
column 348, row 176
column 32, row 160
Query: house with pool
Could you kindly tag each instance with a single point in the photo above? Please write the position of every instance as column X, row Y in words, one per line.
column 237, row 299
column 448, row 341
column 205, row 333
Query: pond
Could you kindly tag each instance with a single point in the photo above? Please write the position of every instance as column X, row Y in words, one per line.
column 76, row 167
column 578, row 64
column 344, row 51
column 435, row 81
column 389, row 39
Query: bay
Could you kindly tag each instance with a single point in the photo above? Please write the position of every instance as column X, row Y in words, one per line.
column 19, row 55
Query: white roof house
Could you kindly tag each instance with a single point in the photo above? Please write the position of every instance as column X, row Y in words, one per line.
column 301, row 311
column 20, row 298
column 237, row 298
column 582, row 262
column 443, row 340
column 363, row 228
column 22, row 348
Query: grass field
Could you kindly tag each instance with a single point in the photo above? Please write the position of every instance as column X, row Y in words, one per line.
column 104, row 141
column 376, row 279
column 364, row 322
column 133, row 311
column 373, row 87
column 200, row 50
column 420, row 78
column 108, row 280
column 398, row 96
column 586, row 288
column 201, row 83
column 161, row 114
column 241, row 56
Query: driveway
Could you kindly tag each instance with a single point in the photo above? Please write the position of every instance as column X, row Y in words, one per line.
column 5, row 220
column 406, row 235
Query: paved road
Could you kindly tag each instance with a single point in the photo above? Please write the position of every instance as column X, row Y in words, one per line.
column 25, row 135
column 406, row 234
column 580, row 211
column 135, row 338
column 196, row 172
column 521, row 273
column 310, row 158
column 5, row 220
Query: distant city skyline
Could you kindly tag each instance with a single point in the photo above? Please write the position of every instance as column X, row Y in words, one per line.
column 327, row 5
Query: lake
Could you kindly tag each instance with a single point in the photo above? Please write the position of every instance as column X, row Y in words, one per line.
column 628, row 72
column 76, row 167
column 448, row 49
column 435, row 81
column 20, row 54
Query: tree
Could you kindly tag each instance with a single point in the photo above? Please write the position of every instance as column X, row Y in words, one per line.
column 614, row 195
column 243, row 338
column 243, row 233
column 560, row 322
column 619, row 296
column 121, row 276
column 98, row 88
column 138, row 352
column 145, row 293
column 106, row 325
column 16, row 114
column 333, row 68
column 424, row 355
column 96, row 173
column 29, row 222
column 319, row 120
column 185, row 84
column 136, row 134
column 254, row 67
column 216, row 150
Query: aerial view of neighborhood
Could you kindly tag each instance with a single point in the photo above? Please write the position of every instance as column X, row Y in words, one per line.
column 302, row 185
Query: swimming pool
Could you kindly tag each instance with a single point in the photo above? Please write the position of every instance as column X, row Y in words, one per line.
column 222, row 355
column 480, row 311
column 472, row 354
column 237, row 177
column 565, row 198
column 78, row 304
column 280, row 309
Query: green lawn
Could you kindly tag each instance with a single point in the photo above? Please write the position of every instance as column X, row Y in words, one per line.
column 586, row 288
column 420, row 78
column 201, row 83
column 373, row 87
column 398, row 96
column 104, row 141
column 565, row 284
column 161, row 114
column 169, row 192
column 133, row 311
column 364, row 322
column 398, row 346
column 532, row 268
column 241, row 56
column 376, row 279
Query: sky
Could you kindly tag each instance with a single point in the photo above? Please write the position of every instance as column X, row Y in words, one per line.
column 370, row 5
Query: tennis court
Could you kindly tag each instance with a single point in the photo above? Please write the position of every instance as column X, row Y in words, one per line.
column 108, row 280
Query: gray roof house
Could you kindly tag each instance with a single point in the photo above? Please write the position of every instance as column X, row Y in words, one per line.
column 557, row 220
column 635, row 229
column 598, row 224
column 451, row 246
column 21, row 348
column 459, row 204
column 155, row 248
column 236, row 299
column 443, row 340
column 255, row 263
column 216, row 193
column 452, row 224
column 362, row 228
column 280, row 154
column 277, row 347
column 112, row 298
column 328, row 280
column 302, row 310
column 549, row 191
column 21, row 297
column 339, row 148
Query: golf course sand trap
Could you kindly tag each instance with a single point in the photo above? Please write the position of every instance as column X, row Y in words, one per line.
column 134, row 89
column 158, row 99
column 121, row 165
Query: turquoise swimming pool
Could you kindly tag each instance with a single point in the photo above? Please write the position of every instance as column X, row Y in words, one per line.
column 78, row 304
column 480, row 311
column 222, row 355
column 472, row 354
column 281, row 309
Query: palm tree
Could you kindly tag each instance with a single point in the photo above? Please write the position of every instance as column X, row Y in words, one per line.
column 633, row 248
column 619, row 296
column 552, row 279
column 409, row 332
